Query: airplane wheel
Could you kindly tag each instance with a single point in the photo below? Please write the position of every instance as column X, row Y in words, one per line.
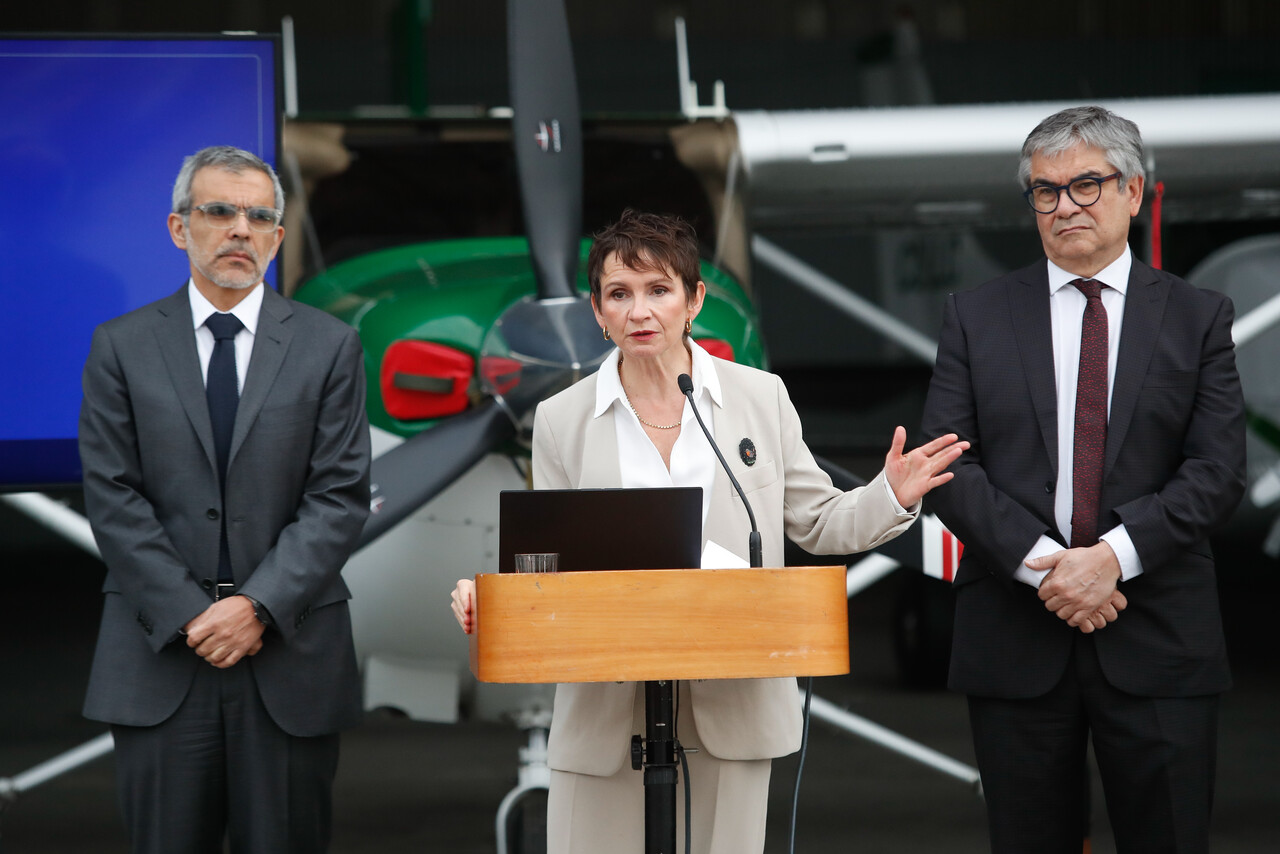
column 923, row 621
column 527, row 823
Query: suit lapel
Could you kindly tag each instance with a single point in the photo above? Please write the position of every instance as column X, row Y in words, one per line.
column 600, row 466
column 1032, row 328
column 177, row 341
column 270, row 344
column 724, row 526
column 1144, row 307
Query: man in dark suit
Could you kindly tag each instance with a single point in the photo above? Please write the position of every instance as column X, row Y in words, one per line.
column 1107, row 426
column 226, row 474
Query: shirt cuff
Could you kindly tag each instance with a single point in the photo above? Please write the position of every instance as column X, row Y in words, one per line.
column 1027, row 575
column 893, row 500
column 1120, row 542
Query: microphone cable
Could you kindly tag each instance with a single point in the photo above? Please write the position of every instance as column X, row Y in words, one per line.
column 688, row 801
column 804, row 749
column 685, row 383
column 684, row 768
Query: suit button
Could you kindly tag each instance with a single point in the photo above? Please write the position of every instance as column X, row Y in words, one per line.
column 207, row 583
column 1048, row 487
column 212, row 513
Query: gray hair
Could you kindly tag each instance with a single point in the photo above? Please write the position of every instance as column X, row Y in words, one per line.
column 1097, row 127
column 235, row 160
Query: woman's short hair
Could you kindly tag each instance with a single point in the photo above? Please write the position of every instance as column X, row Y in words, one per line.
column 645, row 241
column 1097, row 127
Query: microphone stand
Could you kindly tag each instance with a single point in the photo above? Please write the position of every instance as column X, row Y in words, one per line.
column 686, row 388
column 656, row 754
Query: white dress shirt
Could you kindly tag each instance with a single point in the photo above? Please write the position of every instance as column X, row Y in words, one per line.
column 1066, row 315
column 693, row 463
column 247, row 310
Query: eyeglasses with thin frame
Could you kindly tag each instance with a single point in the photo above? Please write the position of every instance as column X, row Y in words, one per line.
column 1044, row 198
column 224, row 214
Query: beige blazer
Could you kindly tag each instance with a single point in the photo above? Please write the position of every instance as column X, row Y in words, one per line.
column 737, row 718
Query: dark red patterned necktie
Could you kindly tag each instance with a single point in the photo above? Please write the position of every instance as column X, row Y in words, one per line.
column 1090, row 440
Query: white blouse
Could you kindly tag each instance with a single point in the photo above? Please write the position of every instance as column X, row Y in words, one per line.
column 693, row 463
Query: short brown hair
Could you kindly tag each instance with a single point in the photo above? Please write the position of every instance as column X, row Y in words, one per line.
column 645, row 241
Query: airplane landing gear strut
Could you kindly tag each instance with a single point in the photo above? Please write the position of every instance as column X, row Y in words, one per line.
column 521, row 824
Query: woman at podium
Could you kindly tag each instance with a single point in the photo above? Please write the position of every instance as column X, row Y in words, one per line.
column 630, row 425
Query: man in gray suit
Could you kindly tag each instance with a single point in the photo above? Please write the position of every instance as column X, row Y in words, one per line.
column 226, row 474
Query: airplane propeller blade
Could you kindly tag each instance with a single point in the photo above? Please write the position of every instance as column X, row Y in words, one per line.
column 411, row 474
column 547, row 135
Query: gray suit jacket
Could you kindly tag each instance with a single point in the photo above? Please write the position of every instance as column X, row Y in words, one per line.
column 297, row 495
column 736, row 718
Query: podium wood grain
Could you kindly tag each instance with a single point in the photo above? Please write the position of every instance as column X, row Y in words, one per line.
column 639, row 625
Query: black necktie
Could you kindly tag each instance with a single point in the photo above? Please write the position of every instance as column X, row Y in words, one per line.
column 223, row 394
column 221, row 388
column 1090, row 439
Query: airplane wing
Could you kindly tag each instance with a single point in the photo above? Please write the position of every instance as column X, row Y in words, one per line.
column 956, row 164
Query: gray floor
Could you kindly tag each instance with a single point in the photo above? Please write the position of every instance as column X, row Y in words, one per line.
column 414, row 787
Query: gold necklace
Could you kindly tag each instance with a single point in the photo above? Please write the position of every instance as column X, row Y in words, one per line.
column 627, row 398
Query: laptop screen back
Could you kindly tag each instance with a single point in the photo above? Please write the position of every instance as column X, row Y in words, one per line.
column 597, row 529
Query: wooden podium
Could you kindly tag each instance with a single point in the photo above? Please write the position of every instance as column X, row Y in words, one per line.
column 660, row 624
column 656, row 626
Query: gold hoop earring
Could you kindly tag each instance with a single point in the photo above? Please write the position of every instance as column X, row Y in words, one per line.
column 606, row 333
column 688, row 327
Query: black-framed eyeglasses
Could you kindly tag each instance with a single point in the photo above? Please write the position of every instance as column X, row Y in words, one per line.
column 224, row 214
column 1083, row 191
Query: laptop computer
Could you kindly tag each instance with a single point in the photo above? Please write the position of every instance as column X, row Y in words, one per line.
column 658, row 528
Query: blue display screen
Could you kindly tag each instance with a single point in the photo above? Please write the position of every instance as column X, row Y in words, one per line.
column 93, row 135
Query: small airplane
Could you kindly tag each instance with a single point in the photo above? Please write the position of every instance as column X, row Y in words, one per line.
column 463, row 337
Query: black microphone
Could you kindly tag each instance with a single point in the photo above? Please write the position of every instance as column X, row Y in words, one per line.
column 686, row 388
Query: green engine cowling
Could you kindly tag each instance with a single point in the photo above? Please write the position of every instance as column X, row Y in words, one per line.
column 445, row 324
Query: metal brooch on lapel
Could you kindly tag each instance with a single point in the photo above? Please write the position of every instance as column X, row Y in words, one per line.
column 747, row 451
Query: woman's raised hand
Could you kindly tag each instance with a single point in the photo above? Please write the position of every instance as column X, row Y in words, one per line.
column 914, row 473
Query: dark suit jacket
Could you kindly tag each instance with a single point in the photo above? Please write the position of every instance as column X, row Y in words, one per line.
column 297, row 495
column 1174, row 471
